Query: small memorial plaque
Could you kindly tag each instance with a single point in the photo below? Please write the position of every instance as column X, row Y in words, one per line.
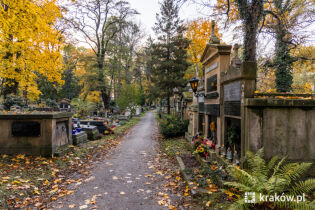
column 232, row 91
column 212, row 109
column 26, row 129
column 212, row 83
column 214, row 66
column 232, row 108
column 201, row 107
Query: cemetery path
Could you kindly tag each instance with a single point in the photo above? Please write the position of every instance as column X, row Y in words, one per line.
column 125, row 180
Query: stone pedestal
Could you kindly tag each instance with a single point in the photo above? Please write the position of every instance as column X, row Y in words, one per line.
column 79, row 138
column 238, row 84
column 34, row 133
column 91, row 131
column 193, row 122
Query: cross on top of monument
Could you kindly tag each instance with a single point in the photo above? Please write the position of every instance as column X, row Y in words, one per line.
column 212, row 28
column 235, row 48
column 236, row 61
column 213, row 39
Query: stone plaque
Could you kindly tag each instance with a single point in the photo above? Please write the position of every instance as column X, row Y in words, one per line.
column 212, row 83
column 212, row 95
column 232, row 91
column 201, row 107
column 232, row 108
column 214, row 66
column 201, row 99
column 26, row 129
column 212, row 109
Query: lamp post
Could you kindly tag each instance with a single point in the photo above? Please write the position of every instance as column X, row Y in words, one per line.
column 194, row 86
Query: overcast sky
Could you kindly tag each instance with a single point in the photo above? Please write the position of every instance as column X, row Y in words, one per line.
column 149, row 8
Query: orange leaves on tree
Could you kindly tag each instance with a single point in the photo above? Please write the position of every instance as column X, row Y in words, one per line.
column 199, row 32
column 222, row 7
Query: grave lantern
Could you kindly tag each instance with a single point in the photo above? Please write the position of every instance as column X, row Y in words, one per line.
column 194, row 84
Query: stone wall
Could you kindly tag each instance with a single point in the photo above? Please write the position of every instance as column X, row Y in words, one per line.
column 283, row 127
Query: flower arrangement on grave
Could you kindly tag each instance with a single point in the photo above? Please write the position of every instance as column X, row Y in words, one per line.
column 197, row 141
column 201, row 146
column 209, row 143
column 202, row 150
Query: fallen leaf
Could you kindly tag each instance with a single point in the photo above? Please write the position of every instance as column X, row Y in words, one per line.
column 38, row 204
column 162, row 202
column 83, row 207
column 208, row 203
column 71, row 206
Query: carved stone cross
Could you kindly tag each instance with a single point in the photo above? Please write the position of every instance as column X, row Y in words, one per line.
column 235, row 48
column 212, row 28
column 213, row 39
column 236, row 61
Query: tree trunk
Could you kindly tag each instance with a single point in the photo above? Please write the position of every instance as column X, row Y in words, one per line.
column 101, row 82
column 250, row 42
column 251, row 12
column 168, row 105
column 283, row 61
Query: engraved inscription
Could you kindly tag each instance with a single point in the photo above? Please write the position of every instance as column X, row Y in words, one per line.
column 232, row 91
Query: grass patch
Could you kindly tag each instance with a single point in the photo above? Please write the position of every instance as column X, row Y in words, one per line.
column 29, row 180
column 174, row 146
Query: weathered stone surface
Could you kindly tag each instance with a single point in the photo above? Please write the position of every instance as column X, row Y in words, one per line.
column 80, row 138
column 55, row 131
column 247, row 71
column 91, row 131
column 263, row 102
column 232, row 91
column 36, row 115
column 282, row 127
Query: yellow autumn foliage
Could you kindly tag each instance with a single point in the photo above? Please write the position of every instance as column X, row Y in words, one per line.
column 199, row 32
column 94, row 97
column 30, row 44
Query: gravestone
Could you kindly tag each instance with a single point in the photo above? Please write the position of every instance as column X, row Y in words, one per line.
column 100, row 125
column 34, row 133
column 92, row 131
column 79, row 138
column 232, row 99
column 138, row 111
column 238, row 83
column 215, row 59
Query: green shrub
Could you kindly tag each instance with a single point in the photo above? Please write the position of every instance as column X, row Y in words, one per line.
column 173, row 126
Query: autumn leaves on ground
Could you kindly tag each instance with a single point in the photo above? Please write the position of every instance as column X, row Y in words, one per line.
column 26, row 180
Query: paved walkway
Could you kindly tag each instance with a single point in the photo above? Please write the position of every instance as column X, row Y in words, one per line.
column 124, row 181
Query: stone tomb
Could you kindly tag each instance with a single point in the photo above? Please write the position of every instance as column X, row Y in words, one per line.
column 34, row 133
column 79, row 138
column 215, row 59
column 92, row 131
